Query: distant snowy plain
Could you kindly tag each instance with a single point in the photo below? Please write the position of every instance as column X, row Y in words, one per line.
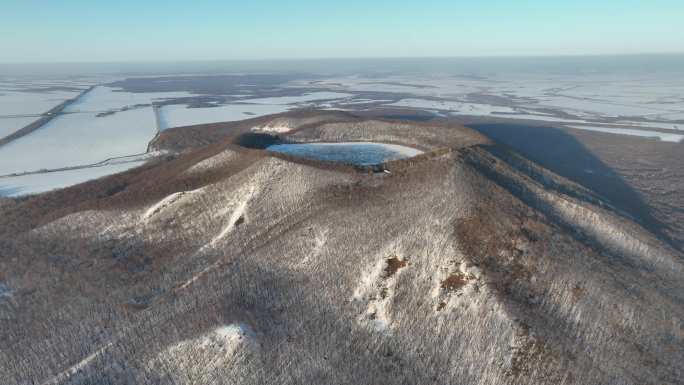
column 109, row 122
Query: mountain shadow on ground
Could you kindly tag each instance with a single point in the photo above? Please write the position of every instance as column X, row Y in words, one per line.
column 563, row 154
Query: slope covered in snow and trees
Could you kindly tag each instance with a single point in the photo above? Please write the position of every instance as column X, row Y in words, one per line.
column 223, row 263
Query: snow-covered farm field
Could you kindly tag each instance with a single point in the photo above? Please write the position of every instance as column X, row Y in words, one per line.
column 111, row 120
column 38, row 183
column 13, row 103
column 10, row 125
column 103, row 99
column 105, row 123
column 646, row 100
column 79, row 139
column 453, row 106
column 180, row 115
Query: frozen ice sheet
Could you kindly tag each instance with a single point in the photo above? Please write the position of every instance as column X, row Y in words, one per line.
column 357, row 153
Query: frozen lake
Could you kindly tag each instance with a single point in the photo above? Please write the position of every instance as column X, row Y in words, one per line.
column 354, row 153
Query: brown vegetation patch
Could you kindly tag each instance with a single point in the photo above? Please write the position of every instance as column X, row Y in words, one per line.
column 488, row 240
column 577, row 293
column 393, row 265
column 454, row 282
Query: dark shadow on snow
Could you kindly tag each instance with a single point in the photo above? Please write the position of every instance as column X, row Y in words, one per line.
column 257, row 140
column 563, row 154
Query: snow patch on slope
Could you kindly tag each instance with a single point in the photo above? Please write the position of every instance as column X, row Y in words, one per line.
column 237, row 214
column 377, row 288
column 319, row 241
column 219, row 160
column 79, row 367
column 164, row 203
column 272, row 128
column 205, row 357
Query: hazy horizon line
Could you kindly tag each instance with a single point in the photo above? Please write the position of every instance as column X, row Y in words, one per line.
column 294, row 59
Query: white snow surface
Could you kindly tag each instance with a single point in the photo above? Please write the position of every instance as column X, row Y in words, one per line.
column 272, row 128
column 214, row 162
column 598, row 107
column 79, row 139
column 181, row 116
column 593, row 97
column 665, row 137
column 162, row 204
column 37, row 183
column 31, row 103
column 10, row 125
column 310, row 97
column 215, row 350
column 103, row 98
column 454, row 106
column 661, row 125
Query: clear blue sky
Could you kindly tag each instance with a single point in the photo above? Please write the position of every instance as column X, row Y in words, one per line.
column 127, row 30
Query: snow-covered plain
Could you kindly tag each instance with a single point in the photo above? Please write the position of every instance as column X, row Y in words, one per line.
column 661, row 125
column 38, row 183
column 10, row 125
column 598, row 107
column 13, row 103
column 453, row 106
column 306, row 98
column 79, row 139
column 619, row 103
column 104, row 98
column 665, row 137
column 643, row 99
column 181, row 116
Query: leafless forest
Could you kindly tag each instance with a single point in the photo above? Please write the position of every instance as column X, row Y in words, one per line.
column 224, row 264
